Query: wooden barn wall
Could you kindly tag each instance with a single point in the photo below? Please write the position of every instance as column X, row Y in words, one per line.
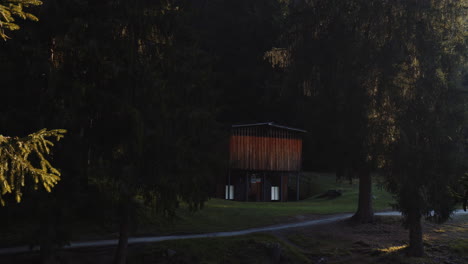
column 265, row 149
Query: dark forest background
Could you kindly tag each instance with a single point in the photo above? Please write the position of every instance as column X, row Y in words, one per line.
column 148, row 90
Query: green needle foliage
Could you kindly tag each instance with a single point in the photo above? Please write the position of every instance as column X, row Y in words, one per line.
column 11, row 9
column 27, row 156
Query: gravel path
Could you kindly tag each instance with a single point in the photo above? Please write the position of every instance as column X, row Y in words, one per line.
column 151, row 239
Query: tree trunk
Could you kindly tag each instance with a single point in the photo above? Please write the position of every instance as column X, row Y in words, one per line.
column 122, row 247
column 365, row 212
column 416, row 248
column 47, row 252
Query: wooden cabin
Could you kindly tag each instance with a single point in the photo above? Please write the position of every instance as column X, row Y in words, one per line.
column 262, row 157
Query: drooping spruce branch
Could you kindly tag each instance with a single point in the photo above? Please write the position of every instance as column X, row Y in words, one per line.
column 24, row 157
column 11, row 9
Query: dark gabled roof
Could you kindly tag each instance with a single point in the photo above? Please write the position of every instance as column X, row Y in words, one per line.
column 272, row 124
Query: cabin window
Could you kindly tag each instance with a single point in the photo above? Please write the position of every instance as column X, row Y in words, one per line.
column 274, row 193
column 229, row 192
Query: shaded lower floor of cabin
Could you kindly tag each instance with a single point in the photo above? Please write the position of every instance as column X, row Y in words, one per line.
column 256, row 186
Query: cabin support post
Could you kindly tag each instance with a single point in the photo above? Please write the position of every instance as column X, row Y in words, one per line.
column 281, row 187
column 246, row 187
column 264, row 187
column 297, row 185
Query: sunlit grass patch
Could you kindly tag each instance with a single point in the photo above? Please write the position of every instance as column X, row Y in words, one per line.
column 392, row 249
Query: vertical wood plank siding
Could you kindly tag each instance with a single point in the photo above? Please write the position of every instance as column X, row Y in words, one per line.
column 265, row 149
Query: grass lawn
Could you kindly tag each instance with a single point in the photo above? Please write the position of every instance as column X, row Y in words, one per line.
column 251, row 249
column 255, row 248
column 222, row 215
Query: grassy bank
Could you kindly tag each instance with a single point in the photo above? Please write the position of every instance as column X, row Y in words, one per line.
column 256, row 248
column 222, row 215
column 383, row 241
column 217, row 214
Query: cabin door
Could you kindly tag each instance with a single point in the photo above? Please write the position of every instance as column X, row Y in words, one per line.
column 255, row 192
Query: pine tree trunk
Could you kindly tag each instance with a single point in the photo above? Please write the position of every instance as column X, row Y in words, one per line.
column 46, row 244
column 365, row 212
column 122, row 247
column 46, row 253
column 416, row 248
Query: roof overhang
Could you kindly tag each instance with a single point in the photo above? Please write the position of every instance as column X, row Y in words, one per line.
column 272, row 124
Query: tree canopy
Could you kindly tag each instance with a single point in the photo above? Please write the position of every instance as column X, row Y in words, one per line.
column 383, row 77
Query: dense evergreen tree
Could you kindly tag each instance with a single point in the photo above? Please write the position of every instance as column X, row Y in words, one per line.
column 134, row 90
column 337, row 60
column 425, row 155
column 383, row 75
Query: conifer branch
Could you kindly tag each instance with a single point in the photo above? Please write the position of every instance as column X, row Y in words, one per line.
column 21, row 157
column 9, row 9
